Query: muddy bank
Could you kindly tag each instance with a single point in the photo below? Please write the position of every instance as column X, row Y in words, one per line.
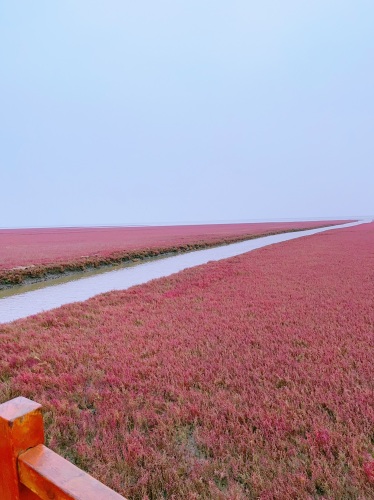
column 30, row 284
column 13, row 278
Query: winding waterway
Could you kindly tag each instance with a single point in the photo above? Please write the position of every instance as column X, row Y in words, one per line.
column 50, row 296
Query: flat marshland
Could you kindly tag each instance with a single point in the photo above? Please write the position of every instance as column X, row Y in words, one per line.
column 246, row 378
column 39, row 254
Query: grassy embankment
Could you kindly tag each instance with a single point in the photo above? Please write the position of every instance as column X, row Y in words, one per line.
column 39, row 254
column 246, row 378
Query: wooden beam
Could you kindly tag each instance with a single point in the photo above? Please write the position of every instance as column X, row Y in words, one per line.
column 50, row 476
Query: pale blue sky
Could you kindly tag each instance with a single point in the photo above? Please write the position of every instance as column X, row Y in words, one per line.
column 117, row 112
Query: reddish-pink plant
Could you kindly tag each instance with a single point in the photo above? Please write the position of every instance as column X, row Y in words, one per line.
column 322, row 437
column 369, row 469
column 246, row 378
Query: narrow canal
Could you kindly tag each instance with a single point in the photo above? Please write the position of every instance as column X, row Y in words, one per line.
column 25, row 303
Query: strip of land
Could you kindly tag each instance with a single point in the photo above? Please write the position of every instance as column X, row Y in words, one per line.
column 245, row 378
column 32, row 255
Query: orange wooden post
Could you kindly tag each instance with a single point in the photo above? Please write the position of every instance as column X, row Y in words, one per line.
column 21, row 427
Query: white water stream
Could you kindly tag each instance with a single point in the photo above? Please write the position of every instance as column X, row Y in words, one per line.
column 51, row 296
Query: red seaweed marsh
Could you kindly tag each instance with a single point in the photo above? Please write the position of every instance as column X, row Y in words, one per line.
column 38, row 254
column 246, row 378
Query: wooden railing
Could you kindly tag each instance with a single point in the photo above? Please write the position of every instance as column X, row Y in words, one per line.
column 29, row 470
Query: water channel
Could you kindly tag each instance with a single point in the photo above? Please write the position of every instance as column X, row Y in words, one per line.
column 23, row 302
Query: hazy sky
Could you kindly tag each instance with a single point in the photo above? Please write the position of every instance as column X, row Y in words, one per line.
column 117, row 112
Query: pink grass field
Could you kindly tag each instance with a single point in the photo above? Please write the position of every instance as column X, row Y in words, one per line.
column 246, row 378
column 33, row 247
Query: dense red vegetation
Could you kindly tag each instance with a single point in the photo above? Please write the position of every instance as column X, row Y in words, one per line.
column 245, row 378
column 32, row 253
